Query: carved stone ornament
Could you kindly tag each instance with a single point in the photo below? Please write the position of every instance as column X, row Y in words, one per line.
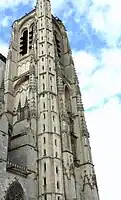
column 1, row 108
column 71, row 169
column 64, row 127
column 9, row 56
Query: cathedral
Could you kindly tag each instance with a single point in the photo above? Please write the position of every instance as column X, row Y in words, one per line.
column 45, row 152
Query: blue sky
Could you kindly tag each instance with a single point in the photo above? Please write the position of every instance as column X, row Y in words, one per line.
column 94, row 28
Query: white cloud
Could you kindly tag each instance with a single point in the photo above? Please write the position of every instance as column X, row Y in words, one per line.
column 81, row 6
column 104, row 122
column 85, row 63
column 3, row 48
column 105, row 82
column 58, row 5
column 104, row 128
column 105, row 17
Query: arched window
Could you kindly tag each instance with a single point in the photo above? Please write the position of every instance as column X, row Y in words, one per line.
column 15, row 192
column 67, row 99
column 58, row 45
column 73, row 145
column 23, row 112
column 24, row 43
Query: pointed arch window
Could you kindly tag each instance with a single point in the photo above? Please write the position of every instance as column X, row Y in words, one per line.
column 24, row 43
column 23, row 112
column 67, row 99
column 74, row 146
column 58, row 45
column 15, row 191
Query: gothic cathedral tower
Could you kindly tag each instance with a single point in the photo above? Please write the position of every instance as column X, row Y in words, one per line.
column 46, row 153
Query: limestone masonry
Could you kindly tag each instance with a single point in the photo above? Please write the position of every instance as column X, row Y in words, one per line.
column 45, row 152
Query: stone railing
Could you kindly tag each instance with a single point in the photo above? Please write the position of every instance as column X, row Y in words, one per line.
column 18, row 169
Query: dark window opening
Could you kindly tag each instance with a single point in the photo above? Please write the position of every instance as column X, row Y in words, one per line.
column 43, row 86
column 44, row 115
column 44, row 181
column 58, row 46
column 54, row 129
column 44, row 140
column 44, row 152
column 56, row 170
column 45, row 197
column 67, row 100
column 44, row 166
column 43, row 127
column 15, row 191
column 24, row 43
column 57, row 185
column 73, row 144
column 23, row 112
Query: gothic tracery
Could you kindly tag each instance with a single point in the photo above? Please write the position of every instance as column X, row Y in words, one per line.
column 15, row 192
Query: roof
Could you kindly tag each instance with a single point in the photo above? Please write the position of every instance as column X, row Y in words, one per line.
column 3, row 58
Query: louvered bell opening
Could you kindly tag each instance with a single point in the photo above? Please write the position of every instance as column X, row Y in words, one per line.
column 58, row 45
column 23, row 43
column 30, row 42
column 21, row 38
column 59, row 52
column 57, row 40
column 30, row 39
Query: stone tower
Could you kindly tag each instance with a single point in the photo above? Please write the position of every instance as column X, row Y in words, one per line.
column 45, row 152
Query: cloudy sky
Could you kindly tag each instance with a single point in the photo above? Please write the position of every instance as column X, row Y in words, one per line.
column 94, row 28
